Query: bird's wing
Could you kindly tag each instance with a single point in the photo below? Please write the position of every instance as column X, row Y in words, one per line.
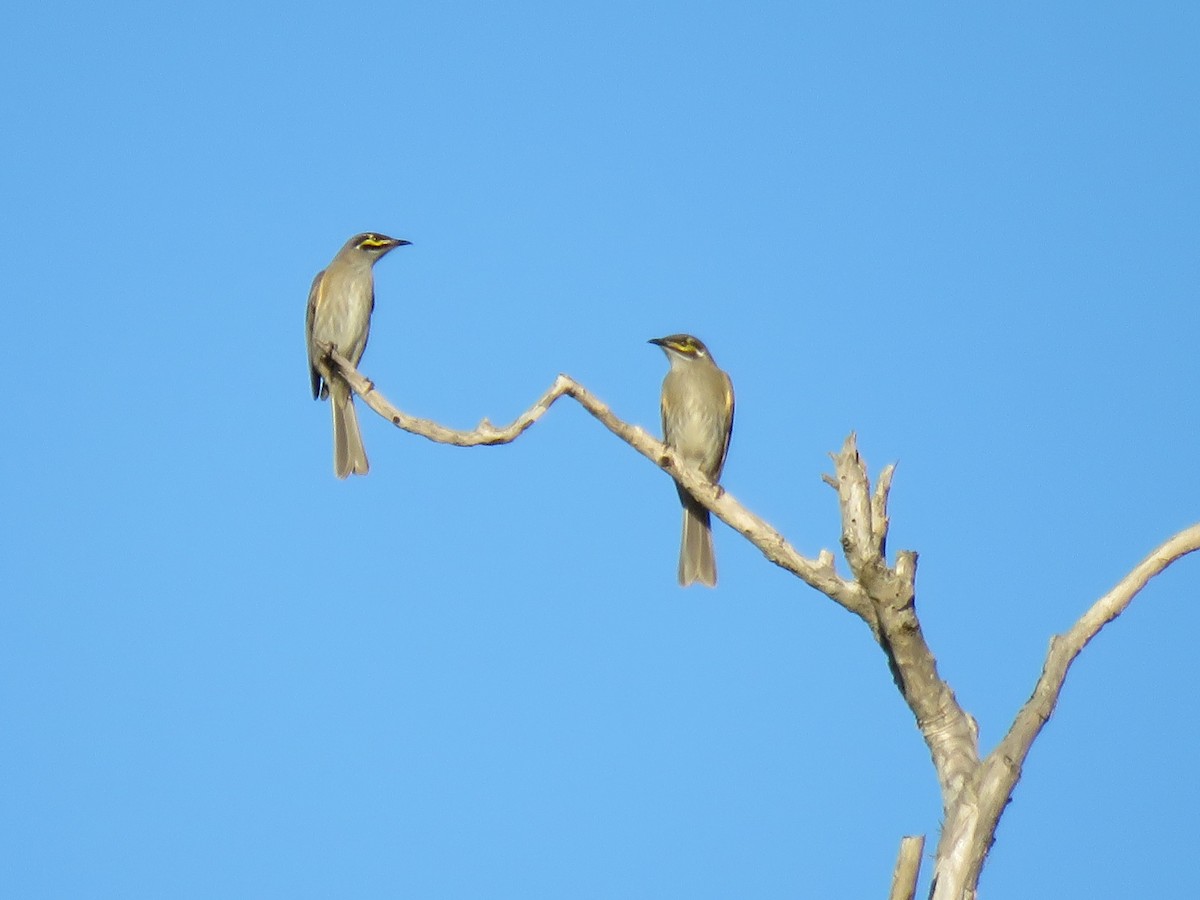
column 367, row 334
column 314, row 297
column 729, row 423
column 665, row 408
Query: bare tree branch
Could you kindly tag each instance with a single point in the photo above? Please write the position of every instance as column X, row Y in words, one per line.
column 1003, row 767
column 950, row 734
column 948, row 730
column 974, row 791
column 908, row 867
column 819, row 573
column 997, row 776
column 1065, row 647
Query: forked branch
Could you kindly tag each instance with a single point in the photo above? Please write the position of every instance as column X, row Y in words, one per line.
column 974, row 791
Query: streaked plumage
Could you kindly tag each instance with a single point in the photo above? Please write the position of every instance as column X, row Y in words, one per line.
column 697, row 415
column 340, row 303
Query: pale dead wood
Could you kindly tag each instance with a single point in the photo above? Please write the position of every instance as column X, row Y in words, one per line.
column 1003, row 767
column 1065, row 647
column 950, row 734
column 908, row 867
column 974, row 791
column 819, row 573
column 948, row 731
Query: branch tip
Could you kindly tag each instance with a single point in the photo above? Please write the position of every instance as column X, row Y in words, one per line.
column 908, row 867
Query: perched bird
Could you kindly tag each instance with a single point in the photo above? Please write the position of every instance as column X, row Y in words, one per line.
column 697, row 415
column 339, row 313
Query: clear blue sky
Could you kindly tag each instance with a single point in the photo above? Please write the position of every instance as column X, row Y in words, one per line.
column 968, row 234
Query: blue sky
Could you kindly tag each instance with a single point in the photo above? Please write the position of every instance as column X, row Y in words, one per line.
column 968, row 234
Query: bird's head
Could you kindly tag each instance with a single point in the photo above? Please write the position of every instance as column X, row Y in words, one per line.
column 374, row 246
column 682, row 347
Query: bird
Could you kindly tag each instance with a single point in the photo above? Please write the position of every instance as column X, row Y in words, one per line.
column 340, row 303
column 697, row 417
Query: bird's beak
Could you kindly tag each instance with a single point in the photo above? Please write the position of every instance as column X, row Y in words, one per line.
column 657, row 342
column 400, row 242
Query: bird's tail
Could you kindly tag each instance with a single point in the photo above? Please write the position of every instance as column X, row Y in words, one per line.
column 349, row 455
column 697, row 563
